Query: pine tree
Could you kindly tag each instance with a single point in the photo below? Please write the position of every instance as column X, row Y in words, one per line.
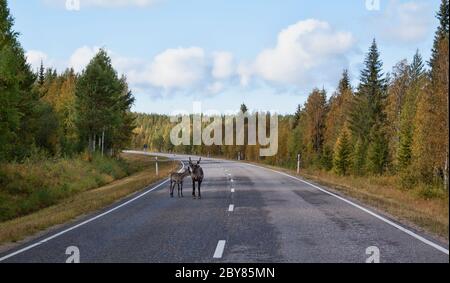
column 430, row 138
column 41, row 75
column 359, row 155
column 367, row 117
column 367, row 105
column 417, row 82
column 244, row 108
column 395, row 103
column 441, row 32
column 103, row 104
column 17, row 100
column 417, row 68
column 339, row 110
column 297, row 116
column 377, row 154
column 9, row 114
column 315, row 113
column 372, row 84
column 342, row 153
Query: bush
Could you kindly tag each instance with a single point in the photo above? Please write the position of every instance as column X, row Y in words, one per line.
column 408, row 178
column 41, row 181
column 431, row 192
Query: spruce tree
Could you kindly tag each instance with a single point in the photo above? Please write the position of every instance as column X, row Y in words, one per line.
column 339, row 109
column 377, row 154
column 441, row 32
column 17, row 100
column 416, row 84
column 342, row 153
column 416, row 68
column 367, row 117
column 430, row 138
column 41, row 75
column 359, row 157
column 244, row 108
column 297, row 116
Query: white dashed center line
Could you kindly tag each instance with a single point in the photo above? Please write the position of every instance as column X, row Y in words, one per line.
column 219, row 249
column 231, row 208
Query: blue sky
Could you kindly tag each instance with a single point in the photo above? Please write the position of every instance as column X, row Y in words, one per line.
column 266, row 53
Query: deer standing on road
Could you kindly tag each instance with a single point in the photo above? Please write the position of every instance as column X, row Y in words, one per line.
column 197, row 176
column 177, row 179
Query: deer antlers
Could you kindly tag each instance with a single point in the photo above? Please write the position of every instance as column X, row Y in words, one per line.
column 198, row 162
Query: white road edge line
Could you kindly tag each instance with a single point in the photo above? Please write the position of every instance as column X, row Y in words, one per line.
column 411, row 233
column 219, row 249
column 231, row 208
column 84, row 222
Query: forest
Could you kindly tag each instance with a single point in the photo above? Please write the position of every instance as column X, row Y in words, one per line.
column 60, row 133
column 392, row 123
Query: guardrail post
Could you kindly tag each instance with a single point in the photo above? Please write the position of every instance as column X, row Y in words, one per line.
column 157, row 169
column 298, row 164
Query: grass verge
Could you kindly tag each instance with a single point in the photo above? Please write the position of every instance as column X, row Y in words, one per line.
column 87, row 201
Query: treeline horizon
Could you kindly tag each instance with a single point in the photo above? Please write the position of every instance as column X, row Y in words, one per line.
column 389, row 124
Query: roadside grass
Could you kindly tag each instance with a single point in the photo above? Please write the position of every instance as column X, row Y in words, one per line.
column 423, row 208
column 87, row 195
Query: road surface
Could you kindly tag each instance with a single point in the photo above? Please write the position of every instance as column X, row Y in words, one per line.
column 248, row 214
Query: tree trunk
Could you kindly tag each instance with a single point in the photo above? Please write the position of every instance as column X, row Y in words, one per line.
column 103, row 142
column 90, row 144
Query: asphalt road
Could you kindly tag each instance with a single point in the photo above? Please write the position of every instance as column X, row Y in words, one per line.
column 248, row 214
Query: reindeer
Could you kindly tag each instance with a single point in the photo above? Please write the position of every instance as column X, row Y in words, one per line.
column 177, row 179
column 197, row 176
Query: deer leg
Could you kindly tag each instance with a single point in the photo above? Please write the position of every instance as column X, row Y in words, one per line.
column 193, row 188
column 178, row 189
column 181, row 189
column 172, row 186
column 199, row 193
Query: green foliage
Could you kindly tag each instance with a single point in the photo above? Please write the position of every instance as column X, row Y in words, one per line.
column 342, row 154
column 359, row 157
column 16, row 96
column 103, row 104
column 158, row 143
column 244, row 108
column 39, row 182
column 377, row 155
column 326, row 159
column 442, row 32
column 297, row 116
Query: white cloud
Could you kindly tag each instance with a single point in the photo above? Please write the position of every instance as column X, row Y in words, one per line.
column 307, row 52
column 405, row 23
column 244, row 71
column 81, row 57
column 174, row 69
column 223, row 65
column 35, row 57
column 216, row 87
